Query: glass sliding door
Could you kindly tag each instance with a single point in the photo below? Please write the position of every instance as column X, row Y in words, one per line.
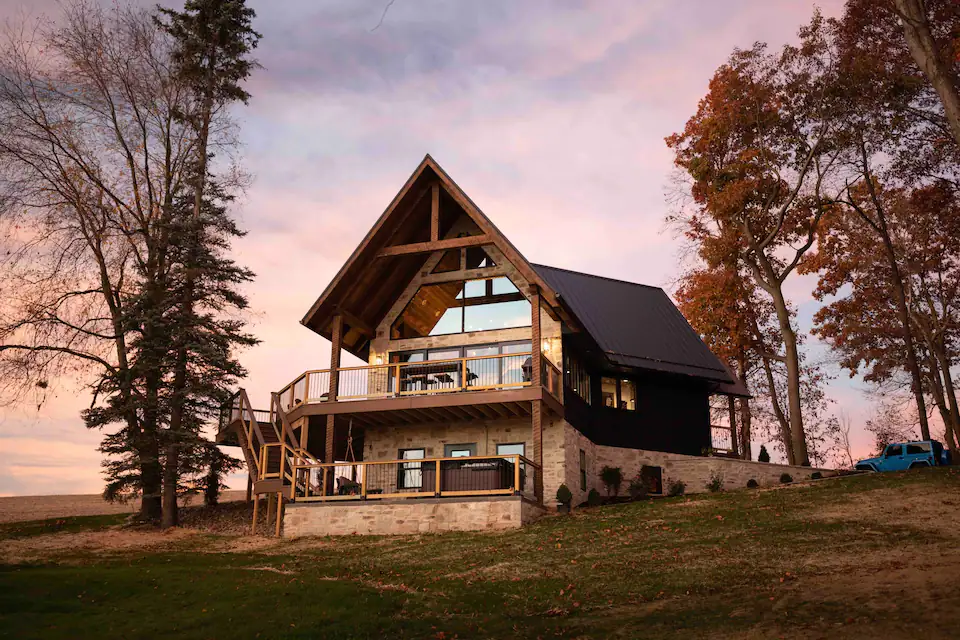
column 411, row 473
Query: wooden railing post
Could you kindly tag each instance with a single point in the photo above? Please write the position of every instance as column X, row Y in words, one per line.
column 438, row 487
column 516, row 475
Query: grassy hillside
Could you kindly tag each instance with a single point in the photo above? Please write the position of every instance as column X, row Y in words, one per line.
column 866, row 556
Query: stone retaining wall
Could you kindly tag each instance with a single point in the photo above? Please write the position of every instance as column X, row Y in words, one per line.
column 393, row 517
column 694, row 471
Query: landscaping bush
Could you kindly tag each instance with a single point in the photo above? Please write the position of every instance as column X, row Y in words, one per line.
column 612, row 478
column 716, row 482
column 752, row 484
column 593, row 498
column 564, row 495
column 816, row 475
column 786, row 478
column 638, row 487
column 764, row 455
column 677, row 487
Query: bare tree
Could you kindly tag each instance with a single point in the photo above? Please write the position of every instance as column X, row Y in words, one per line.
column 91, row 157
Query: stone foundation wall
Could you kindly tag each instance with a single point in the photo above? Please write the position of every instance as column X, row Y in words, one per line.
column 694, row 471
column 397, row 517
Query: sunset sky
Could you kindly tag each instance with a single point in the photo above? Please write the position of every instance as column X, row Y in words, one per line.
column 550, row 115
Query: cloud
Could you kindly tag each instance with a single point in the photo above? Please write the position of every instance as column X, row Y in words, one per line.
column 551, row 115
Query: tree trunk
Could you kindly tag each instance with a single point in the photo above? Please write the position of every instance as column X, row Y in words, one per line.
column 952, row 422
column 923, row 48
column 171, row 480
column 778, row 411
column 899, row 291
column 746, row 451
column 792, row 356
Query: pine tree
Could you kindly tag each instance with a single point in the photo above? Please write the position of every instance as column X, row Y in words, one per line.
column 213, row 40
column 764, row 455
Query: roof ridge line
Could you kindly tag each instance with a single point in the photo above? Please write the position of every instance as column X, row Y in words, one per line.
column 607, row 278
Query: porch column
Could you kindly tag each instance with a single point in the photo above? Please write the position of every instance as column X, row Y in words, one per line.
column 249, row 496
column 535, row 348
column 536, row 413
column 335, row 339
column 536, row 421
column 733, row 426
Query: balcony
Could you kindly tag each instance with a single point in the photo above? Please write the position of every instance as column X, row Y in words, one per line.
column 504, row 379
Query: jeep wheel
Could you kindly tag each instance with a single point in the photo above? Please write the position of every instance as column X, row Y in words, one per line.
column 919, row 465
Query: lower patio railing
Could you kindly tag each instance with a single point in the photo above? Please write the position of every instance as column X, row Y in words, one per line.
column 417, row 478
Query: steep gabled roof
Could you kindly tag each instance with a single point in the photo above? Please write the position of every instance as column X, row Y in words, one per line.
column 635, row 325
column 368, row 283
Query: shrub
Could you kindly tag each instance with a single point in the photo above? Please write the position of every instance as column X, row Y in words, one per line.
column 593, row 498
column 638, row 487
column 716, row 482
column 786, row 478
column 612, row 478
column 677, row 487
column 564, row 495
column 752, row 484
column 764, row 455
column 816, row 475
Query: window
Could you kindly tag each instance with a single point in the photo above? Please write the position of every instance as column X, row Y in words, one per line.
column 460, row 450
column 916, row 448
column 462, row 306
column 894, row 450
column 577, row 378
column 628, row 395
column 483, row 368
column 516, row 449
column 619, row 394
column 608, row 392
column 583, row 470
column 410, row 474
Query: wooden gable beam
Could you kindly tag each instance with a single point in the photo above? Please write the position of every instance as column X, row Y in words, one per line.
column 435, row 213
column 435, row 245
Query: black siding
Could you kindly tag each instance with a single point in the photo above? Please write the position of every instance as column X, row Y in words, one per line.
column 670, row 417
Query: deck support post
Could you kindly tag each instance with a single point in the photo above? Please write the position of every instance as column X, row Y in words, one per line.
column 249, row 495
column 335, row 345
column 270, row 498
column 256, row 512
column 733, row 426
column 279, row 513
column 536, row 422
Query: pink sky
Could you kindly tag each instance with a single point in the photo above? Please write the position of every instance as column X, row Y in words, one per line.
column 550, row 115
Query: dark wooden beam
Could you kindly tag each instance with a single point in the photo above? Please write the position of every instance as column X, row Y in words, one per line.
column 436, row 245
column 435, row 213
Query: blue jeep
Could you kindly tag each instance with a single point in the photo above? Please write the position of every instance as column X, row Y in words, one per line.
column 907, row 455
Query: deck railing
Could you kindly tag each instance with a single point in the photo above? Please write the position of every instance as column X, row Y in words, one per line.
column 502, row 371
column 416, row 478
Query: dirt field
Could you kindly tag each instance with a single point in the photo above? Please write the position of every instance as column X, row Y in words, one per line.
column 22, row 508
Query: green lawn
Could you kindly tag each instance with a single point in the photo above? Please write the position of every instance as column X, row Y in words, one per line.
column 861, row 556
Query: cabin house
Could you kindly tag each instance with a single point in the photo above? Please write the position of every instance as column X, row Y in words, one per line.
column 490, row 381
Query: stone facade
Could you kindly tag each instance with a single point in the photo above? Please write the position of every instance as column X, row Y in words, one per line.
column 385, row 443
column 694, row 471
column 398, row 517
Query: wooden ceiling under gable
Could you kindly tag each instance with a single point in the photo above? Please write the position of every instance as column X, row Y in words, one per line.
column 397, row 248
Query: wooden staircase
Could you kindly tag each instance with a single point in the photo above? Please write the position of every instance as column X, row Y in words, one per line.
column 270, row 449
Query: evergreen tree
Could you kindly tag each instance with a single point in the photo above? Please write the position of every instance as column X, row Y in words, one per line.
column 212, row 43
column 763, row 456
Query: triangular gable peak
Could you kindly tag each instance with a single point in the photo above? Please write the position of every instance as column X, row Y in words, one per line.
column 430, row 219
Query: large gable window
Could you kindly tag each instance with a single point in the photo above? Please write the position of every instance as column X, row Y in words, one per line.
column 462, row 306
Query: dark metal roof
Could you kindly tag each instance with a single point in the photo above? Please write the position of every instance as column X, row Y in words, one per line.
column 636, row 325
